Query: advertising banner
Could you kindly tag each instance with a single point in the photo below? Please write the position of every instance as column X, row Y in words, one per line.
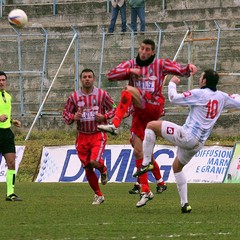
column 61, row 164
column 233, row 171
column 3, row 166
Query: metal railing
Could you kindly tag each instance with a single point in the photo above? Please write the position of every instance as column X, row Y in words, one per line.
column 42, row 71
column 50, row 88
column 1, row 8
column 159, row 33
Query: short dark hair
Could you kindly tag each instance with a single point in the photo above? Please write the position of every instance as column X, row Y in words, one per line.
column 149, row 42
column 87, row 70
column 3, row 73
column 211, row 77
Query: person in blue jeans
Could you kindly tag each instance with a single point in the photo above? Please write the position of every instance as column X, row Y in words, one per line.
column 137, row 10
column 118, row 5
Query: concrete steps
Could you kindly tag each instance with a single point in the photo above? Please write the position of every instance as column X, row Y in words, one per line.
column 94, row 13
column 88, row 18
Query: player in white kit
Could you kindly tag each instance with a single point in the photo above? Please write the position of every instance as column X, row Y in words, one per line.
column 205, row 106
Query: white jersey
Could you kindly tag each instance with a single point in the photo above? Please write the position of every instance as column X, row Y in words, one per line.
column 205, row 108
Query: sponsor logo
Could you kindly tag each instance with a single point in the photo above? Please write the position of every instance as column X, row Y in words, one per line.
column 170, row 130
column 187, row 94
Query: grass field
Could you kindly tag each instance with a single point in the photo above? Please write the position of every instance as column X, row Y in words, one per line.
column 63, row 211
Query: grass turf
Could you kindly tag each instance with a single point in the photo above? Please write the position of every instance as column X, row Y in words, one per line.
column 64, row 211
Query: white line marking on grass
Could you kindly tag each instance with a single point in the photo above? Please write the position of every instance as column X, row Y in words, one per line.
column 191, row 235
column 160, row 223
column 205, row 234
column 146, row 237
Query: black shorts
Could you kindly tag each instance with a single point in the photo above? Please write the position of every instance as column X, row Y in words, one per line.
column 7, row 144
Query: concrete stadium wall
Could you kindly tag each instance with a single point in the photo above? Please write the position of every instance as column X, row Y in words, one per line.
column 88, row 18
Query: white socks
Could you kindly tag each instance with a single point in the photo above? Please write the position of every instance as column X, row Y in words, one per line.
column 181, row 181
column 148, row 145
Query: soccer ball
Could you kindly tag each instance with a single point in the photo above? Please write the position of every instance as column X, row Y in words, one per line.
column 17, row 18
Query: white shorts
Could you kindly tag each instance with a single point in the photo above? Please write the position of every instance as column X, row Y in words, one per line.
column 187, row 144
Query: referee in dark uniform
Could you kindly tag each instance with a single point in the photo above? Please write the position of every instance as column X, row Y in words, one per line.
column 7, row 144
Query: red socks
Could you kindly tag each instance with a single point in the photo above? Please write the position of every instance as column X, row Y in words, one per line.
column 143, row 179
column 102, row 168
column 156, row 171
column 124, row 104
column 93, row 181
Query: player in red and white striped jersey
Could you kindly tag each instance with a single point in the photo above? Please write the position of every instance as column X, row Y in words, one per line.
column 90, row 106
column 146, row 76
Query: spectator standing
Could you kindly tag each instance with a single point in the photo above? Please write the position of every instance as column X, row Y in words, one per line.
column 88, row 107
column 7, row 144
column 146, row 75
column 118, row 6
column 137, row 10
column 206, row 104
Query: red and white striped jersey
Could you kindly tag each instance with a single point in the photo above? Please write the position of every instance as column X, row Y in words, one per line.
column 151, row 77
column 98, row 101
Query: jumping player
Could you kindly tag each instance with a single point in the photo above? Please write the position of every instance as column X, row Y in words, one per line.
column 146, row 75
column 205, row 104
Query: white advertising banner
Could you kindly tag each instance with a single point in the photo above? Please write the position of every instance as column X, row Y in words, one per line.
column 233, row 171
column 3, row 166
column 61, row 164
